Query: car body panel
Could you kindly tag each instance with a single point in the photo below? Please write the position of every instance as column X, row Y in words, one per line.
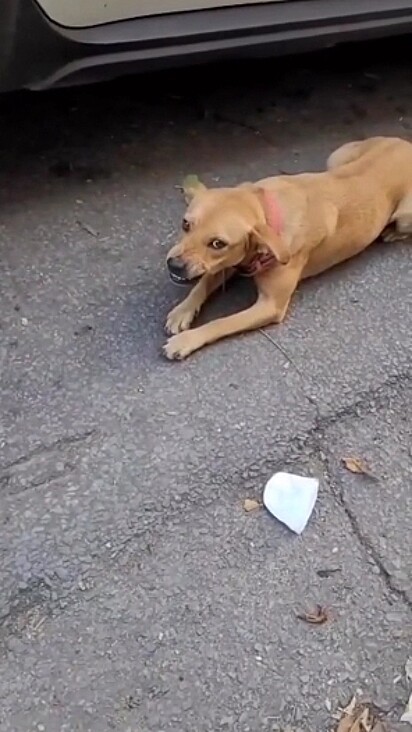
column 84, row 13
column 38, row 53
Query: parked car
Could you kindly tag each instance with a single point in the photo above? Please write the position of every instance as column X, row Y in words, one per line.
column 48, row 43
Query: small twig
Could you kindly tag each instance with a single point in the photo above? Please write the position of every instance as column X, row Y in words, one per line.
column 282, row 350
column 89, row 229
column 288, row 358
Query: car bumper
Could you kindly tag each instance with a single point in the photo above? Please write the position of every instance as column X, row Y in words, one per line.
column 37, row 53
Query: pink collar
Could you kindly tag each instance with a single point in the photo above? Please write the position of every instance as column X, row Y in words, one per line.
column 273, row 213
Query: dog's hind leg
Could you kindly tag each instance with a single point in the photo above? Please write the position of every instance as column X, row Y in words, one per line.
column 182, row 316
column 400, row 226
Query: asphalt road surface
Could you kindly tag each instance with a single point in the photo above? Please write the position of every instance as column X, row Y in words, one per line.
column 136, row 593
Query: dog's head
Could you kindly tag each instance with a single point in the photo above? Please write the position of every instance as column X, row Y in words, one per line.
column 224, row 227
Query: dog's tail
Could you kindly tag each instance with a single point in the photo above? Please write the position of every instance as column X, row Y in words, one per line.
column 352, row 151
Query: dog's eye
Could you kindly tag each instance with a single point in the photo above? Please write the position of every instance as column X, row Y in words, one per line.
column 186, row 225
column 217, row 244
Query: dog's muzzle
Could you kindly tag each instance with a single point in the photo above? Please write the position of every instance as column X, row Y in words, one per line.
column 178, row 271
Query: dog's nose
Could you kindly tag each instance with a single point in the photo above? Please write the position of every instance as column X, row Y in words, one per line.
column 177, row 267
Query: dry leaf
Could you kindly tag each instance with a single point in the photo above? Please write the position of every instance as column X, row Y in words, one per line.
column 379, row 727
column 356, row 465
column 364, row 721
column 317, row 617
column 408, row 669
column 407, row 715
column 345, row 724
column 350, row 709
column 251, row 504
column 359, row 718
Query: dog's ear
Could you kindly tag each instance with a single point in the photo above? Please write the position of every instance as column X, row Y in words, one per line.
column 265, row 237
column 271, row 234
column 191, row 187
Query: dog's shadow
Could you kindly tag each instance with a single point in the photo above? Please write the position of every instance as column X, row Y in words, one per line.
column 133, row 329
column 235, row 295
column 133, row 325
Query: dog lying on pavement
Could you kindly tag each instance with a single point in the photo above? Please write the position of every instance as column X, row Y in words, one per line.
column 284, row 229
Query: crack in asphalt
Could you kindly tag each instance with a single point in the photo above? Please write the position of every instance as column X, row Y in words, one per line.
column 257, row 132
column 337, row 490
column 61, row 443
column 51, row 462
column 347, row 411
column 374, row 554
column 313, row 441
column 376, row 399
column 219, row 117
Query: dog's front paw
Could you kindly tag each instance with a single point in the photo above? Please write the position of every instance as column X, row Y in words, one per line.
column 181, row 345
column 180, row 318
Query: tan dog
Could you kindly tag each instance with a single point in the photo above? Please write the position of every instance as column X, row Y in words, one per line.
column 281, row 230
